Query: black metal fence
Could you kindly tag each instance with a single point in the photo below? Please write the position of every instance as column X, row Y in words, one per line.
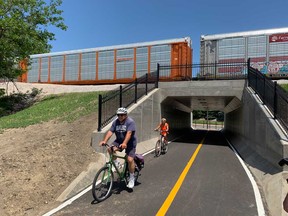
column 272, row 95
column 209, row 71
column 125, row 96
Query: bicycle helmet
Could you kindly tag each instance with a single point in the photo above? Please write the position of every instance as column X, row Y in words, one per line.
column 121, row 110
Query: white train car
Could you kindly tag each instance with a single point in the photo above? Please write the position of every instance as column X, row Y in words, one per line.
column 267, row 50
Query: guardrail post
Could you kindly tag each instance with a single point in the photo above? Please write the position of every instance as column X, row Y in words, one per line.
column 99, row 112
column 120, row 96
column 256, row 86
column 248, row 71
column 264, row 98
column 275, row 100
column 157, row 76
column 187, row 73
column 146, row 84
column 135, row 98
column 215, row 68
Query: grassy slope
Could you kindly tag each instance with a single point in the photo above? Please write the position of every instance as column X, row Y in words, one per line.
column 285, row 86
column 64, row 107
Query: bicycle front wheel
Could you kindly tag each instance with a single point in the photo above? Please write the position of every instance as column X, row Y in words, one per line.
column 102, row 184
column 158, row 148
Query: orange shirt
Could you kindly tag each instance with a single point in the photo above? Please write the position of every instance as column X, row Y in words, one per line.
column 164, row 128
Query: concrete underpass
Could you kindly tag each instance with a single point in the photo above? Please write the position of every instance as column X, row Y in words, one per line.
column 248, row 125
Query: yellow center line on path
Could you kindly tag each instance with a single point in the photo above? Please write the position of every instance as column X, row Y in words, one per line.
column 164, row 208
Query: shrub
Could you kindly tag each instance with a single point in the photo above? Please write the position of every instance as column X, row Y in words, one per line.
column 16, row 102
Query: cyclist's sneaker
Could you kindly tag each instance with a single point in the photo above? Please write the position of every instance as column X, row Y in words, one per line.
column 131, row 181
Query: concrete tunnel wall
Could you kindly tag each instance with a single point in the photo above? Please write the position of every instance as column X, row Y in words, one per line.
column 176, row 119
column 254, row 123
column 146, row 114
column 261, row 143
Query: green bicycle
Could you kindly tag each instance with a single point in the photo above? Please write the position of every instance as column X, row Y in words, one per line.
column 104, row 178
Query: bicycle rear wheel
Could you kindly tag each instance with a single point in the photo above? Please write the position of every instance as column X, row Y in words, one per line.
column 102, row 184
column 165, row 147
column 136, row 173
column 158, row 148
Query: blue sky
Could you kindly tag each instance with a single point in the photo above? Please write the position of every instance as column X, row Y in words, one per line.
column 98, row 23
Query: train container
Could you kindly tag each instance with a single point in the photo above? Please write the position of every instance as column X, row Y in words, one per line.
column 267, row 50
column 109, row 65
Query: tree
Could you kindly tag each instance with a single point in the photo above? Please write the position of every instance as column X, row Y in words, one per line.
column 24, row 31
column 197, row 114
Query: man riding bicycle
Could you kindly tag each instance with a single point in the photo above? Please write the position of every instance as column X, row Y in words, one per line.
column 124, row 128
column 164, row 129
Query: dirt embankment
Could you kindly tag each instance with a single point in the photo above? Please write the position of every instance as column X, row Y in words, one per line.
column 37, row 163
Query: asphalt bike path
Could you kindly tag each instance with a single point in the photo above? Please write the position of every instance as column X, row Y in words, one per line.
column 199, row 175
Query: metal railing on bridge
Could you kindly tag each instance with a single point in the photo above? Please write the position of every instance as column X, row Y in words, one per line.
column 125, row 96
column 272, row 95
column 209, row 71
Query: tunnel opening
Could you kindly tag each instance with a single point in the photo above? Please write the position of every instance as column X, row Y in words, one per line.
column 207, row 120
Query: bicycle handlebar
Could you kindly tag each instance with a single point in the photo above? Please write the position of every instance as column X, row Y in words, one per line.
column 108, row 146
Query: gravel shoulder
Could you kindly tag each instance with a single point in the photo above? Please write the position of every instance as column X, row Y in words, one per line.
column 55, row 89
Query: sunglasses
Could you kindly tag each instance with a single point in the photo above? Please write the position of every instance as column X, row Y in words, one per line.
column 121, row 114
